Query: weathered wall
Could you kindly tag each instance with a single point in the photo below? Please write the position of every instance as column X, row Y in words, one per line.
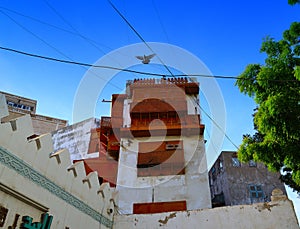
column 19, row 106
column 234, row 181
column 76, row 139
column 16, row 103
column 192, row 187
column 193, row 107
column 276, row 214
column 43, row 124
column 32, row 182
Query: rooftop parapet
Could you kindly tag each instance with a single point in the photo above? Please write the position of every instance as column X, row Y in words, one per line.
column 189, row 85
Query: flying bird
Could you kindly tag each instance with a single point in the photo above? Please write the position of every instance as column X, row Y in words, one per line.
column 145, row 59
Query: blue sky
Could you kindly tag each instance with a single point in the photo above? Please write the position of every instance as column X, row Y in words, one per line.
column 225, row 35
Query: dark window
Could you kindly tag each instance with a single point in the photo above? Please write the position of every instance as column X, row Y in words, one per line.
column 154, row 115
column 252, row 163
column 135, row 115
column 3, row 214
column 155, row 159
column 221, row 166
column 163, row 115
column 213, row 173
column 235, row 162
column 256, row 191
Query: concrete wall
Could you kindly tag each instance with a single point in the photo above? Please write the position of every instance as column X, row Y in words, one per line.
column 32, row 182
column 278, row 213
column 76, row 139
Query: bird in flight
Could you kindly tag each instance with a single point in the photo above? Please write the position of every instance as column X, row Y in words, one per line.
column 145, row 59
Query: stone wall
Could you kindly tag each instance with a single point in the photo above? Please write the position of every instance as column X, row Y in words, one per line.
column 234, row 181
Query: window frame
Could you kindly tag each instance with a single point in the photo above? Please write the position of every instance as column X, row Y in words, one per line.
column 257, row 190
column 235, row 162
column 252, row 163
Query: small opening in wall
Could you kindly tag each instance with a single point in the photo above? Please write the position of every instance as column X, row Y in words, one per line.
column 110, row 211
column 38, row 143
column 13, row 124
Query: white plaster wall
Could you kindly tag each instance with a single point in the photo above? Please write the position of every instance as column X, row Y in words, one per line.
column 126, row 113
column 191, row 104
column 273, row 215
column 64, row 215
column 192, row 187
column 3, row 107
column 76, row 139
column 32, row 181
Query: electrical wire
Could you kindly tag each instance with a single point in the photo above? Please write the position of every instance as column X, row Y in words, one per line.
column 81, row 36
column 33, row 34
column 211, row 141
column 136, row 32
column 55, row 27
column 141, row 38
column 49, row 45
column 115, row 68
column 78, row 63
column 129, row 70
column 160, row 21
column 72, row 27
column 217, row 125
column 78, row 33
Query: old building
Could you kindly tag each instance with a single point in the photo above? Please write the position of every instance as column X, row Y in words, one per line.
column 19, row 106
column 41, row 189
column 81, row 139
column 84, row 143
column 162, row 161
column 236, row 183
column 152, row 147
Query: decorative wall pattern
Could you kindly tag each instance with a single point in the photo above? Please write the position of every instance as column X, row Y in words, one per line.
column 25, row 170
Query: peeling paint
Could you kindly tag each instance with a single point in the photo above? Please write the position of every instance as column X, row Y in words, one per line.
column 165, row 221
column 279, row 214
column 266, row 206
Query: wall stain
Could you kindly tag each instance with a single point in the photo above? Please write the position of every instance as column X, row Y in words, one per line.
column 266, row 206
column 165, row 221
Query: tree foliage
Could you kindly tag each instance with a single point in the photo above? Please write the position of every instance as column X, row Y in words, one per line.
column 275, row 87
column 293, row 2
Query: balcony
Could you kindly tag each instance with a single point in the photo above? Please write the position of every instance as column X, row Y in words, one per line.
column 188, row 125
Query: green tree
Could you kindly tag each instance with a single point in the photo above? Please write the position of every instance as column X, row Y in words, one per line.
column 293, row 2
column 275, row 87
